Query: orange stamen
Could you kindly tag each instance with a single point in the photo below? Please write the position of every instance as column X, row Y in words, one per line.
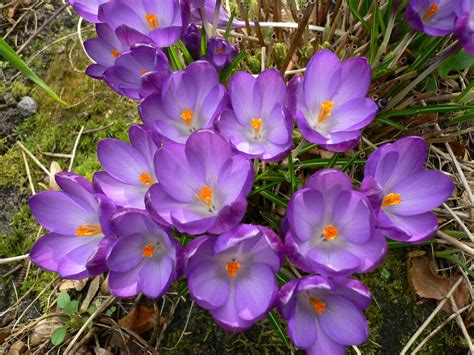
column 152, row 21
column 330, row 232
column 256, row 124
column 318, row 305
column 187, row 116
column 148, row 250
column 220, row 50
column 232, row 268
column 391, row 200
column 115, row 53
column 87, row 230
column 144, row 72
column 325, row 110
column 146, row 179
column 434, row 8
column 205, row 195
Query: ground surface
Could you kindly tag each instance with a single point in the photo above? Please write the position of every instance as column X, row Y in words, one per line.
column 28, row 295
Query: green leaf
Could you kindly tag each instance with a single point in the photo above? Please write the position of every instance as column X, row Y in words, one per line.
column 229, row 25
column 353, row 4
column 92, row 308
column 276, row 324
column 332, row 161
column 291, row 172
column 462, row 118
column 422, row 109
column 459, row 61
column 58, row 336
column 175, row 61
column 225, row 73
column 391, row 123
column 374, row 34
column 15, row 60
column 72, row 307
column 274, row 198
column 268, row 217
column 203, row 42
column 63, row 300
column 186, row 54
column 110, row 310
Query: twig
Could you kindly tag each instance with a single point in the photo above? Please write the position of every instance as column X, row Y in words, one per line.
column 462, row 326
column 463, row 226
column 13, row 259
column 430, row 318
column 455, row 242
column 184, row 329
column 35, row 159
column 76, row 143
column 28, row 173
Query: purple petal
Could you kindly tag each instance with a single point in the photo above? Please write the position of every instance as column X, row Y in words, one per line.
column 155, row 276
column 124, row 284
column 123, row 194
column 302, row 326
column 355, row 79
column 208, row 286
column 127, row 253
column 305, row 211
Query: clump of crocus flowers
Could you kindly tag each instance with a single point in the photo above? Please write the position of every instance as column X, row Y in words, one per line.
column 173, row 201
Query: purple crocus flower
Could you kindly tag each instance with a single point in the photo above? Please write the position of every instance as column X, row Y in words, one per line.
column 330, row 104
column 434, row 17
column 192, row 40
column 133, row 67
column 258, row 125
column 78, row 222
column 220, row 52
column 144, row 259
column 202, row 185
column 402, row 193
column 209, row 11
column 104, row 50
column 464, row 27
column 88, row 9
column 190, row 100
column 233, row 275
column 332, row 227
column 129, row 170
column 325, row 315
column 161, row 21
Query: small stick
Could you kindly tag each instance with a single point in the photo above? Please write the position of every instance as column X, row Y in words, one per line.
column 35, row 159
column 76, row 143
column 455, row 242
column 28, row 173
column 461, row 325
column 13, row 259
column 57, row 155
column 463, row 226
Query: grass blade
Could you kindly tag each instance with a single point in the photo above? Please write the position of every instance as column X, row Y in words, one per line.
column 225, row 73
column 275, row 322
column 15, row 60
column 374, row 34
column 274, row 198
column 229, row 25
column 187, row 56
column 422, row 109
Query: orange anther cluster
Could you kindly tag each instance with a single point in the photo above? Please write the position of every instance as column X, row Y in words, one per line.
column 330, row 232
column 434, row 8
column 115, row 53
column 152, row 21
column 146, row 179
column 87, row 230
column 391, row 200
column 325, row 110
column 187, row 116
column 144, row 72
column 318, row 305
column 148, row 250
column 232, row 268
column 205, row 195
column 256, row 124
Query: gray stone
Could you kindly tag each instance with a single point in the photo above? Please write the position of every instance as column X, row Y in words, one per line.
column 27, row 106
column 9, row 99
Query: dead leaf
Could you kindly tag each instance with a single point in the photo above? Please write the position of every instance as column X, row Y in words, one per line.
column 428, row 284
column 44, row 329
column 458, row 149
column 54, row 168
column 140, row 320
column 93, row 288
column 18, row 348
column 77, row 285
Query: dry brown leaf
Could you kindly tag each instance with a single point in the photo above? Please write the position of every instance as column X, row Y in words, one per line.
column 44, row 329
column 18, row 348
column 54, row 168
column 91, row 292
column 140, row 319
column 67, row 285
column 428, row 284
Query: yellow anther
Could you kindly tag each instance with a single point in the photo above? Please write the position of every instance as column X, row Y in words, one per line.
column 144, row 72
column 115, row 53
column 87, row 230
column 318, row 305
column 148, row 250
column 187, row 116
column 330, row 232
column 325, row 110
column 152, row 21
column 232, row 268
column 146, row 179
column 205, row 195
column 256, row 124
column 433, row 9
column 391, row 200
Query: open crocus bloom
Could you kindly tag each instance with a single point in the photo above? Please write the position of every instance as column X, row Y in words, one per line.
column 160, row 20
column 133, row 66
column 78, row 221
column 190, row 99
column 325, row 315
column 88, row 9
column 464, row 27
column 434, row 17
column 233, row 275
column 104, row 50
column 402, row 192
column 202, row 186
column 330, row 104
column 332, row 227
column 144, row 259
column 129, row 170
column 220, row 52
column 258, row 125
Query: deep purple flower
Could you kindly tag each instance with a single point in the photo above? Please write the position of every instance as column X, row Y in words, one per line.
column 332, row 227
column 220, row 52
column 202, row 185
column 144, row 259
column 403, row 194
column 78, row 222
column 129, row 169
column 464, row 27
column 134, row 66
column 104, row 50
column 434, row 17
column 192, row 40
column 88, row 9
column 330, row 104
column 325, row 315
column 191, row 99
column 258, row 125
column 233, row 275
column 209, row 11
column 160, row 20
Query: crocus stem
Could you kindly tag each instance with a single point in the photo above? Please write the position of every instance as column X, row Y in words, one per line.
column 455, row 47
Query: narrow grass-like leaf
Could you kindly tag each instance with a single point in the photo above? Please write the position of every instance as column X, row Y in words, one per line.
column 422, row 109
column 274, row 198
column 390, row 123
column 175, row 61
column 266, row 187
column 203, row 41
column 374, row 34
column 187, row 56
column 225, row 73
column 353, row 7
column 464, row 92
column 229, row 25
column 272, row 222
column 332, row 161
column 291, row 173
column 350, row 162
column 434, row 44
column 322, row 163
column 277, row 326
column 15, row 60
column 468, row 116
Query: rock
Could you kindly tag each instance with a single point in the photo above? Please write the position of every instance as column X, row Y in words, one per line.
column 27, row 106
column 9, row 99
